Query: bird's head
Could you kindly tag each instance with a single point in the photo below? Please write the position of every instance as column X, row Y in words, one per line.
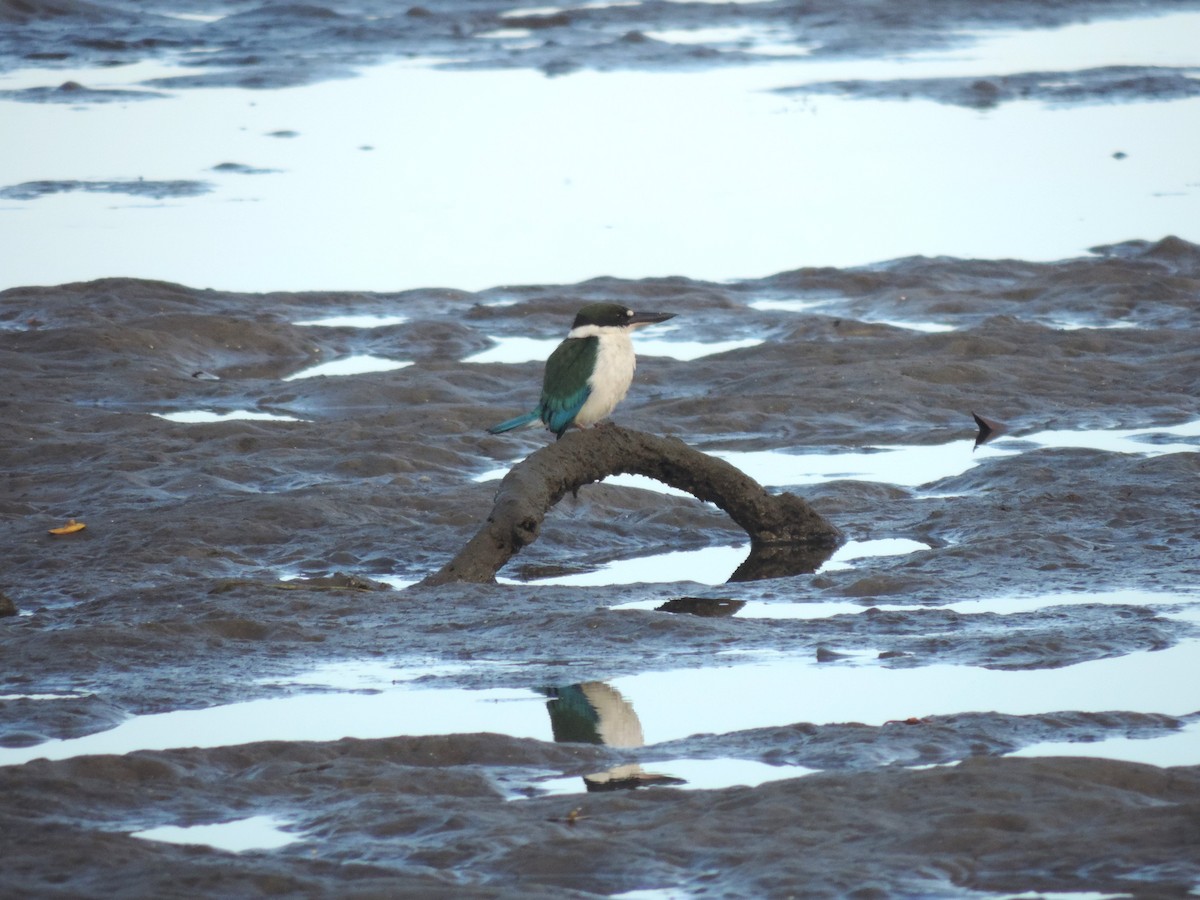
column 616, row 315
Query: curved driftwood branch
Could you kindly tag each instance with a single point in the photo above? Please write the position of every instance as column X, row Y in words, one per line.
column 786, row 533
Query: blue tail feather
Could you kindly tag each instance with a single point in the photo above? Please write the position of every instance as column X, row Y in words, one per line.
column 525, row 419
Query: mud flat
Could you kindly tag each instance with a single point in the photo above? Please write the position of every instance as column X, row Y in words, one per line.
column 222, row 675
column 231, row 637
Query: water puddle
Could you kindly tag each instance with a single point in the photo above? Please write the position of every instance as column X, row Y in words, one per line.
column 747, row 696
column 795, row 304
column 634, row 481
column 239, row 836
column 914, row 325
column 749, row 38
column 523, row 12
column 521, row 349
column 199, row 416
column 1183, row 607
column 1167, row 40
column 1182, row 748
column 513, row 38
column 663, row 893
column 205, row 18
column 1144, row 441
column 696, row 774
column 515, row 350
column 355, row 675
column 799, row 305
column 918, row 465
column 907, row 465
column 596, row 713
column 351, row 320
column 689, row 350
column 853, row 551
column 395, row 582
column 712, row 565
column 350, row 365
column 128, row 76
column 1079, row 325
column 389, row 709
column 708, row 565
column 654, row 707
column 553, row 139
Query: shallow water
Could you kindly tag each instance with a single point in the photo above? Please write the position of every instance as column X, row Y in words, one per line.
column 380, row 711
column 253, row 833
column 696, row 774
column 670, row 705
column 834, row 305
column 520, row 350
column 714, row 565
column 350, row 365
column 1179, row 749
column 873, row 694
column 1188, row 605
column 355, row 321
column 917, row 466
column 924, row 464
column 204, row 416
column 554, row 198
column 911, row 466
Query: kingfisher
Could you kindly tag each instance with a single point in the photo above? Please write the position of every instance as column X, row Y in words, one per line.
column 589, row 373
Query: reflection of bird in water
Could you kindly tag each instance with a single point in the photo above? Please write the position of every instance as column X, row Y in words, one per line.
column 589, row 373
column 595, row 713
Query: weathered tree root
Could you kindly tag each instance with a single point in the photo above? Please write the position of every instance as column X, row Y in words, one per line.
column 787, row 536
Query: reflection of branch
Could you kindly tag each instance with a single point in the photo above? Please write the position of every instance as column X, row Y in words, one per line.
column 774, row 522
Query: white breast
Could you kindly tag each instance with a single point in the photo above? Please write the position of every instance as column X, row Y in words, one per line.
column 610, row 381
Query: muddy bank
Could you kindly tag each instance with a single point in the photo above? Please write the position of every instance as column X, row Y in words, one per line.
column 90, row 365
column 280, row 45
column 171, row 598
column 988, row 825
column 1109, row 84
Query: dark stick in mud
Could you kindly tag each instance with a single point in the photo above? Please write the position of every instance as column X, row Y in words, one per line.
column 787, row 535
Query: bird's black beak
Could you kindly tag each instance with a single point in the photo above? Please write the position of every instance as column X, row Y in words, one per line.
column 648, row 318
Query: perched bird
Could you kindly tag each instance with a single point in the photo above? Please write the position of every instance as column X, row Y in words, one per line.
column 588, row 374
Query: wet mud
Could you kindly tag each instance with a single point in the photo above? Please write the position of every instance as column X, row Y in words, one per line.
column 154, row 190
column 1110, row 84
column 72, row 92
column 274, row 45
column 912, row 833
column 171, row 597
column 222, row 560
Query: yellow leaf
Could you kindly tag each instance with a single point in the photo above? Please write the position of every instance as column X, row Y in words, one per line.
column 70, row 528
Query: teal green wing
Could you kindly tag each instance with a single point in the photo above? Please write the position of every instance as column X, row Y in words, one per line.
column 565, row 385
